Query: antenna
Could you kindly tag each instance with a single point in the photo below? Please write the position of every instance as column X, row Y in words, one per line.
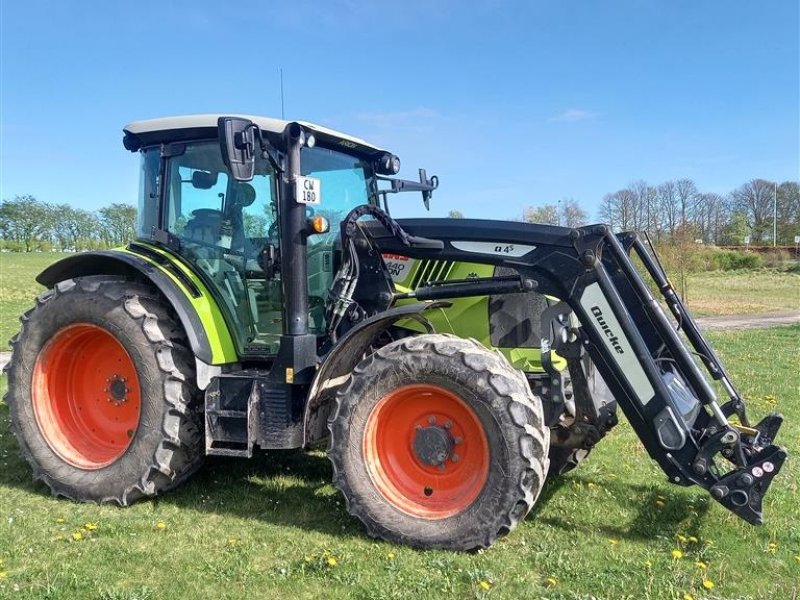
column 282, row 105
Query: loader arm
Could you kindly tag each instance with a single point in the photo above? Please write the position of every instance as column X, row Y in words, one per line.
column 666, row 394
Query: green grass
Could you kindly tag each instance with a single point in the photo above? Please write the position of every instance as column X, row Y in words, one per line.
column 266, row 527
column 742, row 292
column 18, row 287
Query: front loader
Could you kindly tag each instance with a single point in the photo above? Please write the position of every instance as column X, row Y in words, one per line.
column 270, row 301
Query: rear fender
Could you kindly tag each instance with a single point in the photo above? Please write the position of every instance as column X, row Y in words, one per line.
column 344, row 356
column 205, row 327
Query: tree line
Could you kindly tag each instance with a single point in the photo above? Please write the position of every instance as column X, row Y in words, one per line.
column 677, row 210
column 765, row 212
column 28, row 225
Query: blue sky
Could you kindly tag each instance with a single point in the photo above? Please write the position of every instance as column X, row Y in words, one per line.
column 511, row 103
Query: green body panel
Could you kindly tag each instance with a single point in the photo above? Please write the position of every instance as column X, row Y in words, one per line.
column 467, row 317
column 223, row 350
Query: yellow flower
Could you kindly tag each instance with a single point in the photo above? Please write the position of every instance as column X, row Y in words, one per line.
column 708, row 584
column 90, row 526
column 701, row 565
column 391, row 556
column 682, row 538
column 677, row 553
column 773, row 547
column 77, row 536
column 59, row 520
column 332, row 562
column 797, row 558
column 648, row 564
column 613, row 542
column 232, row 541
column 693, row 539
column 3, row 575
column 307, row 559
column 551, row 582
column 660, row 503
column 688, row 597
column 485, row 585
column 161, row 525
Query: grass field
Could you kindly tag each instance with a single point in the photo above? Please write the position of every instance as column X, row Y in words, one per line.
column 742, row 292
column 274, row 527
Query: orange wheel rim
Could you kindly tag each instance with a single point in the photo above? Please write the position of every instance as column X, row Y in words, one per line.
column 426, row 451
column 86, row 396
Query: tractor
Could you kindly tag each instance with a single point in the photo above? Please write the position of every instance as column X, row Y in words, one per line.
column 270, row 301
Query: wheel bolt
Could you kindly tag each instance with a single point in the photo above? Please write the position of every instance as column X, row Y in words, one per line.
column 458, row 440
column 431, row 419
column 455, row 458
column 448, row 424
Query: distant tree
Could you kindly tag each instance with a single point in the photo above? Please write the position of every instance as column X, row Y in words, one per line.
column 24, row 220
column 546, row 214
column 118, row 223
column 755, row 201
column 572, row 215
column 455, row 214
column 788, row 211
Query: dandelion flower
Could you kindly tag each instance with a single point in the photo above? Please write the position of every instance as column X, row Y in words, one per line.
column 708, row 584
column 90, row 526
column 391, row 556
column 484, row 585
column 797, row 558
column 688, row 597
column 551, row 582
column 682, row 538
column 332, row 562
column 161, row 525
column 773, row 547
column 648, row 564
column 60, row 520
column 677, row 553
column 701, row 565
column 77, row 536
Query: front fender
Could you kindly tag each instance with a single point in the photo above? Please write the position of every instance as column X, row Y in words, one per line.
column 344, row 356
column 205, row 327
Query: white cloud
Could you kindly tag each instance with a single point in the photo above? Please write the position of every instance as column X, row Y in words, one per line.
column 573, row 115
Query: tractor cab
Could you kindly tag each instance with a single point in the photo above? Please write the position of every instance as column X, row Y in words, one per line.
column 228, row 230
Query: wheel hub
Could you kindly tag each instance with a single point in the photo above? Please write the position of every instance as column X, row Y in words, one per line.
column 433, row 445
column 117, row 389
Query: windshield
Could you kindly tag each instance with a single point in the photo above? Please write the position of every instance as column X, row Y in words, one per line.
column 344, row 183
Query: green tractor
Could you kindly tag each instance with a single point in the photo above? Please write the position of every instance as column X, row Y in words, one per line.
column 270, row 301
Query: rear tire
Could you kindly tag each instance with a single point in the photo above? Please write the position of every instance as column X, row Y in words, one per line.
column 437, row 442
column 102, row 392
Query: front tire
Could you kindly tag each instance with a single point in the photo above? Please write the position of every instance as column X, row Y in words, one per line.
column 437, row 442
column 102, row 394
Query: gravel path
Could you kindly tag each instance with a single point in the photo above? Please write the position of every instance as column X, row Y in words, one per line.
column 706, row 324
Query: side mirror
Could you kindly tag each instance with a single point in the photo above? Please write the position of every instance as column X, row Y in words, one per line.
column 237, row 143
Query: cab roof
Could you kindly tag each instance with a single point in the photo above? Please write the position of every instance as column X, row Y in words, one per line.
column 187, row 127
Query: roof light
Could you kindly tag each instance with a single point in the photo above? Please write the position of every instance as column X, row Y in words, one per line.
column 310, row 140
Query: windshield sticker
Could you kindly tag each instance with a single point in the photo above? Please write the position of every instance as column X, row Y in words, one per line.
column 308, row 190
column 501, row 248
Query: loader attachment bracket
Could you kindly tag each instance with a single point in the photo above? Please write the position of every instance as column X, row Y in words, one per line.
column 742, row 490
